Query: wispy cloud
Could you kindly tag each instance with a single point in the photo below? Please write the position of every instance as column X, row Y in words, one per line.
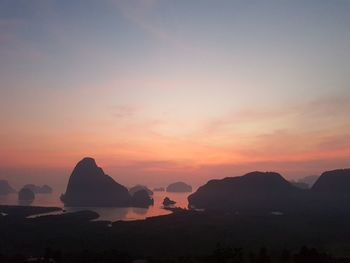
column 333, row 106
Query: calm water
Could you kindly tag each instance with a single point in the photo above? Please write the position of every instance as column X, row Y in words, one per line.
column 107, row 213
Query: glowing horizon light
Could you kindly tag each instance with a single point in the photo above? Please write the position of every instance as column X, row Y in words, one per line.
column 157, row 90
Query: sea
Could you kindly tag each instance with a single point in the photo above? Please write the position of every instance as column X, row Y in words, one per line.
column 106, row 213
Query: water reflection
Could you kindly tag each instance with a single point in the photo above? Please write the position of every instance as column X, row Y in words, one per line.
column 140, row 211
column 106, row 213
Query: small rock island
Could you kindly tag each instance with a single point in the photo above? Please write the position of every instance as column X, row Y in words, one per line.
column 168, row 202
column 137, row 188
column 179, row 187
column 142, row 199
column 26, row 194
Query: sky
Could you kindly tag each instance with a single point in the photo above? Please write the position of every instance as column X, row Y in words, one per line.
column 164, row 90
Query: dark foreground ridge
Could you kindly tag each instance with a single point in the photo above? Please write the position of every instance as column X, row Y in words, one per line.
column 184, row 236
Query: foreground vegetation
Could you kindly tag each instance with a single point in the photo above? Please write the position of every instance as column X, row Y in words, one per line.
column 184, row 236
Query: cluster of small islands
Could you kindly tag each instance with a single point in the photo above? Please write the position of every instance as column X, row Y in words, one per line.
column 225, row 216
column 89, row 186
column 26, row 193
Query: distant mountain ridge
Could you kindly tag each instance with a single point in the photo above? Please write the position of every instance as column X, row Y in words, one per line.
column 336, row 182
column 269, row 191
column 251, row 192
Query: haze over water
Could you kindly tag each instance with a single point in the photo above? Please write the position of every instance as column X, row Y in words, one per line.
column 106, row 213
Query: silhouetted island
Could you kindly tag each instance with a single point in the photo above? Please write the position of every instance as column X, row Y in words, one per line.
column 26, row 194
column 141, row 198
column 137, row 188
column 168, row 202
column 89, row 186
column 5, row 188
column 179, row 187
column 45, row 189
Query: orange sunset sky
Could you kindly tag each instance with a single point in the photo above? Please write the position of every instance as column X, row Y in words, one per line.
column 159, row 90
